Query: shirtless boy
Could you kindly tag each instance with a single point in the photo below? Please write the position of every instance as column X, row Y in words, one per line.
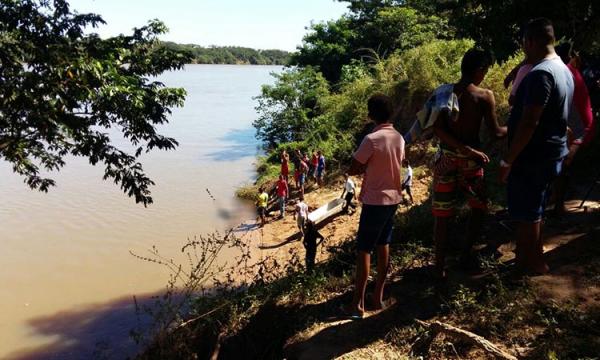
column 460, row 166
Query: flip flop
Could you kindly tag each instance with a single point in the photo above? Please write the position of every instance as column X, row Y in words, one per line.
column 349, row 315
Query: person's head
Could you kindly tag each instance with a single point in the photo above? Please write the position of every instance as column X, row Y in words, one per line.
column 346, row 176
column 380, row 108
column 281, row 178
column 319, row 153
column 261, row 190
column 538, row 37
column 405, row 162
column 565, row 51
column 300, row 199
column 475, row 64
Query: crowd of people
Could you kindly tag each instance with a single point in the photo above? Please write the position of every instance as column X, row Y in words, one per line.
column 550, row 120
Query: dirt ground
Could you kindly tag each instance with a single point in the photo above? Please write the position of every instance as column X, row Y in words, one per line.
column 568, row 282
column 280, row 236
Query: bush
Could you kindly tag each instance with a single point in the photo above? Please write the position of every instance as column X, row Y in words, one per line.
column 288, row 108
column 299, row 112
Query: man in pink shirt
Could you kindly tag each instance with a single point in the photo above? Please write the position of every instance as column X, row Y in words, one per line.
column 379, row 157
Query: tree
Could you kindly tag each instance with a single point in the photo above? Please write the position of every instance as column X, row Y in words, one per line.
column 375, row 26
column 288, row 109
column 497, row 24
column 61, row 90
column 327, row 47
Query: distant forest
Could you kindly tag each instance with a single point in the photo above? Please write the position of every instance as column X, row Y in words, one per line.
column 231, row 54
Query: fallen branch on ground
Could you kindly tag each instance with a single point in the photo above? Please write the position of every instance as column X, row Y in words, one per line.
column 437, row 327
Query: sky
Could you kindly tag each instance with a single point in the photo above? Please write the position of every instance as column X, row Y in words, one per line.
column 259, row 24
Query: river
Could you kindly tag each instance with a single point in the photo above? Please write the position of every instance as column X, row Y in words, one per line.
column 67, row 277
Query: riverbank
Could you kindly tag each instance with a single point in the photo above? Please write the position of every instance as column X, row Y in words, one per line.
column 286, row 313
column 296, row 316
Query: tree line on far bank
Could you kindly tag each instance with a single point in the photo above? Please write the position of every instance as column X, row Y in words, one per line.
column 230, row 54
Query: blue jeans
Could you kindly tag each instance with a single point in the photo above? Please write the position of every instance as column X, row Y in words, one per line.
column 282, row 205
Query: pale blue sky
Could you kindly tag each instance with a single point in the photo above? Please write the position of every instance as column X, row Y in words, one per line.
column 260, row 24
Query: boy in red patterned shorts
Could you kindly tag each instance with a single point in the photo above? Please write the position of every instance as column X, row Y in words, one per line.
column 459, row 167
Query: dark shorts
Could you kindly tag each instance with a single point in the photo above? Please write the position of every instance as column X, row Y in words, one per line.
column 302, row 179
column 375, row 227
column 528, row 189
column 320, row 172
column 261, row 211
column 349, row 196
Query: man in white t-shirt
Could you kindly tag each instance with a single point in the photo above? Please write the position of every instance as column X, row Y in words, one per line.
column 349, row 190
column 301, row 214
column 407, row 182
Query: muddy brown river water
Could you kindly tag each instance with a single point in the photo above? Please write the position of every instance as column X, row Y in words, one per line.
column 66, row 276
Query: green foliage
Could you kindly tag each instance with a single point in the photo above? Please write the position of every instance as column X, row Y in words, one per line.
column 496, row 24
column 289, row 109
column 231, row 54
column 428, row 66
column 372, row 27
column 62, row 89
column 402, row 28
column 494, row 80
column 339, row 117
column 328, row 46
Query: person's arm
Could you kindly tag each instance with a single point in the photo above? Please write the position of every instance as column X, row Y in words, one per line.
column 361, row 157
column 489, row 115
column 538, row 92
column 512, row 74
column 357, row 168
column 440, row 129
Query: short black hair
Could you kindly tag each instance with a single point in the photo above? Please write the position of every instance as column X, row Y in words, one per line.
column 380, row 108
column 475, row 59
column 564, row 50
column 541, row 30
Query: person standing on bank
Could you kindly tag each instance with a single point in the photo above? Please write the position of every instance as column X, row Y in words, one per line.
column 349, row 190
column 301, row 214
column 261, row 205
column 459, row 168
column 407, row 182
column 311, row 236
column 320, row 168
column 285, row 165
column 580, row 127
column 379, row 157
column 282, row 194
column 537, row 133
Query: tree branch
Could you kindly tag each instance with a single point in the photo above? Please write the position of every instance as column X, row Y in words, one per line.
column 438, row 327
